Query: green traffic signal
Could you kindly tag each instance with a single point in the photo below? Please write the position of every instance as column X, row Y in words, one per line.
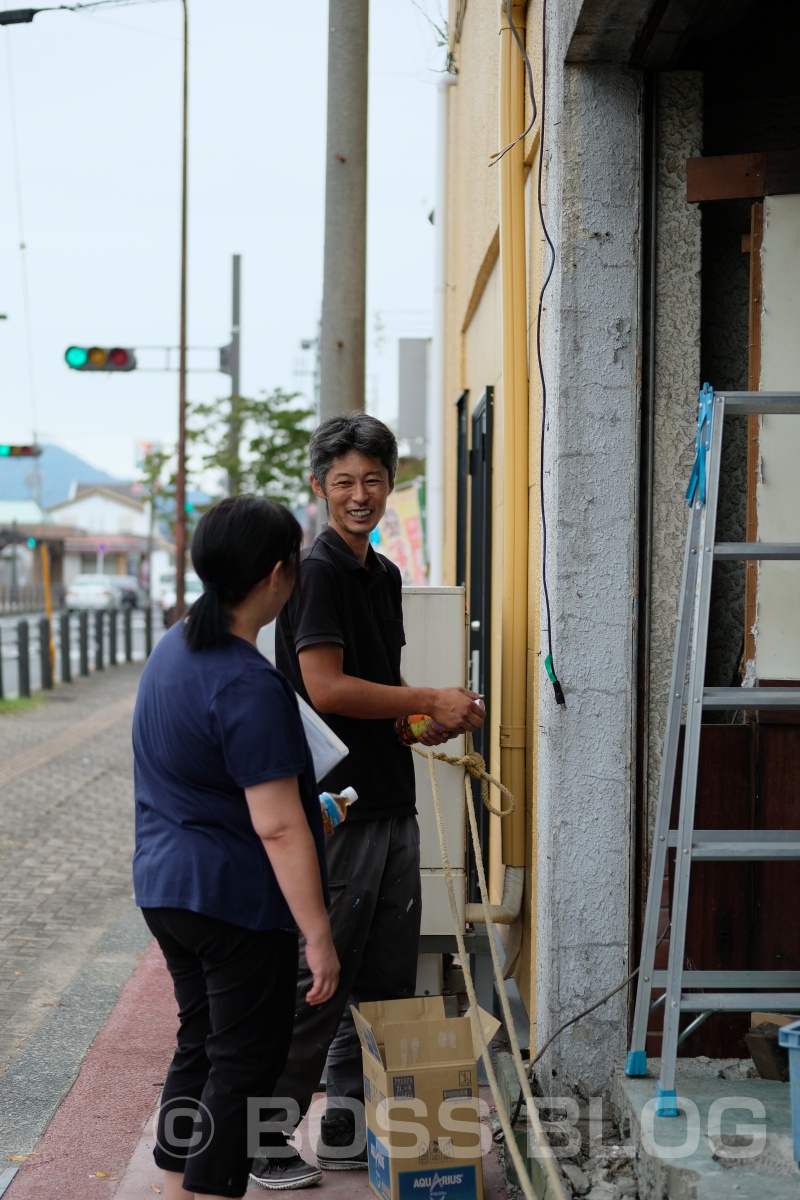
column 31, row 543
column 76, row 357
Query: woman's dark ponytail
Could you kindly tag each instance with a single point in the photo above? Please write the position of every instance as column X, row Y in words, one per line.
column 237, row 543
column 208, row 623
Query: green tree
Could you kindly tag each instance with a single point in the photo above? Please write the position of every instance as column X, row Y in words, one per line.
column 274, row 434
column 152, row 470
column 158, row 487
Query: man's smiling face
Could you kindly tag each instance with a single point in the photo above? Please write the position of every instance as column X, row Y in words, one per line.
column 356, row 489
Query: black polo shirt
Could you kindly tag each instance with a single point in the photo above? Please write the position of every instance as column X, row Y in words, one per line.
column 359, row 608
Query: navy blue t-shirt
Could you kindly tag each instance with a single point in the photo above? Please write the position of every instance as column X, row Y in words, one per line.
column 208, row 724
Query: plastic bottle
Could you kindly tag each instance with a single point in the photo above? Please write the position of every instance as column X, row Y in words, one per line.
column 332, row 814
column 410, row 729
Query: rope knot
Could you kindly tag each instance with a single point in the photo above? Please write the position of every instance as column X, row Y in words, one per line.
column 474, row 765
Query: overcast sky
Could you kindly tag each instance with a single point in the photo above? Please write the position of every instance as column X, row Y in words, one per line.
column 97, row 100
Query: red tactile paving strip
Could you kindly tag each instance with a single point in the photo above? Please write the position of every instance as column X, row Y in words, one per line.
column 86, row 1148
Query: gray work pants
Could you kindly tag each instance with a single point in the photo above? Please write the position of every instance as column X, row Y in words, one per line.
column 375, row 911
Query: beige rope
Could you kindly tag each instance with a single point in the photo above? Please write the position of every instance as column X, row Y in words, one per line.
column 475, row 766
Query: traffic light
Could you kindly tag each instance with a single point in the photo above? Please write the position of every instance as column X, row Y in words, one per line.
column 7, row 451
column 96, row 358
column 31, row 543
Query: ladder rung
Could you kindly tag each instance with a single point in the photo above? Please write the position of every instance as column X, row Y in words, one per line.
column 736, row 980
column 740, row 1002
column 760, row 402
column 756, row 551
column 754, row 844
column 768, row 697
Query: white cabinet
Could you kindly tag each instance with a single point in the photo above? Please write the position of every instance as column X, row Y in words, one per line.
column 435, row 655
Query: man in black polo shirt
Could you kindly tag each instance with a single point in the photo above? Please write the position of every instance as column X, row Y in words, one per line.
column 339, row 641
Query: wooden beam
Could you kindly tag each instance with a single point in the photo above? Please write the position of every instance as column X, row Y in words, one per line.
column 725, row 177
column 743, row 176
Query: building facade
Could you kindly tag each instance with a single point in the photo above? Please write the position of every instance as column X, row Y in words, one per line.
column 634, row 197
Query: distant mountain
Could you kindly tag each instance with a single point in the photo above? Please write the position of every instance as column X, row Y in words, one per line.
column 58, row 469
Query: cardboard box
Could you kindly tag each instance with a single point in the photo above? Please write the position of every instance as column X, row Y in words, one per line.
column 421, row 1097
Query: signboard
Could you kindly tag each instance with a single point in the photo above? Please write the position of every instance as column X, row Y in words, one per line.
column 401, row 535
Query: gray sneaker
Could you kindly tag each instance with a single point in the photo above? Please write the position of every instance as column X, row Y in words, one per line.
column 284, row 1174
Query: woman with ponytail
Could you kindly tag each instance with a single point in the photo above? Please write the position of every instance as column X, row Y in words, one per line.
column 229, row 861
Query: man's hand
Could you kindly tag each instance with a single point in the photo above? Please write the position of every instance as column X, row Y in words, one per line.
column 324, row 967
column 456, row 709
column 437, row 738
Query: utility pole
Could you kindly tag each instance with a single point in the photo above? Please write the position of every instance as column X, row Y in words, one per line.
column 180, row 478
column 234, row 424
column 344, row 276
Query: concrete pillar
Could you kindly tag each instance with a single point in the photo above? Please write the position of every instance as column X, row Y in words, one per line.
column 344, row 281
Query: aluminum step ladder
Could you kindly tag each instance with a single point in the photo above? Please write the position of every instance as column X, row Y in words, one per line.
column 730, row 991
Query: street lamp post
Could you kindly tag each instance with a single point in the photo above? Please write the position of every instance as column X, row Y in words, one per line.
column 24, row 16
column 19, row 16
column 180, row 479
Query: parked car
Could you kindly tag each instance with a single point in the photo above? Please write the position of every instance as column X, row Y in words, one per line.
column 133, row 594
column 91, row 592
column 192, row 587
column 162, row 583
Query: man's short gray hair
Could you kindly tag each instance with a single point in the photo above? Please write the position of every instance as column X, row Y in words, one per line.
column 352, row 431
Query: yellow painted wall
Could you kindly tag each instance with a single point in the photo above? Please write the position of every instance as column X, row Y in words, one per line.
column 474, row 325
column 474, row 356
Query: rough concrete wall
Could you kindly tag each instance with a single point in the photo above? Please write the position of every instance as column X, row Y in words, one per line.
column 677, row 379
column 585, row 778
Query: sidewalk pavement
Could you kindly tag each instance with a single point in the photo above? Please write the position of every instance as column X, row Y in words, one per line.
column 70, row 935
column 100, row 1141
column 87, row 1015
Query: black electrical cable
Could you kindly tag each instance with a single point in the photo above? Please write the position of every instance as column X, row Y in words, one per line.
column 566, row 1025
column 548, row 662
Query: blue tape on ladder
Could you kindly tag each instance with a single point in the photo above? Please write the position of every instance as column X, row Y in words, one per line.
column 702, row 441
column 636, row 1062
column 666, row 1102
column 789, row 1037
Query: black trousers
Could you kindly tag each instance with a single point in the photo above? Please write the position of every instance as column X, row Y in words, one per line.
column 375, row 911
column 236, row 992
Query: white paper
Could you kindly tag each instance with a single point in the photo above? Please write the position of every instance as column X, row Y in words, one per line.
column 327, row 750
